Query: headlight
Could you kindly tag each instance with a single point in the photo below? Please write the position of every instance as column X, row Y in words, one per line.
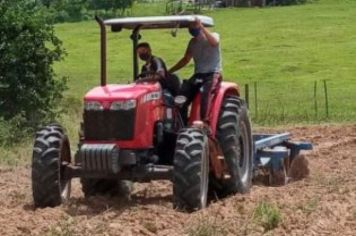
column 93, row 106
column 152, row 96
column 123, row 105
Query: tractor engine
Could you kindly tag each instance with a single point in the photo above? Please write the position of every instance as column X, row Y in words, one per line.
column 123, row 125
column 122, row 114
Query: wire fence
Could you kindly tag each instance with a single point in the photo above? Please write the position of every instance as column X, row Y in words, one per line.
column 299, row 102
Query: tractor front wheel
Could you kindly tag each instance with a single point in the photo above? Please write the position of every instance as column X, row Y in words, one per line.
column 51, row 153
column 191, row 170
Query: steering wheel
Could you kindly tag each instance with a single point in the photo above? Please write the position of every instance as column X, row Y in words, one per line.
column 148, row 77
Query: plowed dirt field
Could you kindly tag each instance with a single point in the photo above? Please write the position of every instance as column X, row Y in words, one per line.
column 322, row 204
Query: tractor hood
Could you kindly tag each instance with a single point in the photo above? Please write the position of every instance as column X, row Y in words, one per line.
column 113, row 92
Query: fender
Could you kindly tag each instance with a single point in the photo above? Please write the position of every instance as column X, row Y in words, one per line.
column 226, row 88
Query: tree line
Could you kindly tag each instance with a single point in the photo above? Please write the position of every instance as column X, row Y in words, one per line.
column 77, row 10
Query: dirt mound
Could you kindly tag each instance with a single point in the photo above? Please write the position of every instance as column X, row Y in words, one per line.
column 299, row 168
column 324, row 203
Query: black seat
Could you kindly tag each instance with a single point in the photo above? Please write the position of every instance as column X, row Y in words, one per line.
column 171, row 83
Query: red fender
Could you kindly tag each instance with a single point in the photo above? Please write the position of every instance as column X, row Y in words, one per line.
column 226, row 88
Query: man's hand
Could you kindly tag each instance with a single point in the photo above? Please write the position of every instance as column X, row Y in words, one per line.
column 149, row 77
column 198, row 23
column 211, row 39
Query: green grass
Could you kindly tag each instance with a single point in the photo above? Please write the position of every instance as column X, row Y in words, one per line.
column 267, row 215
column 283, row 49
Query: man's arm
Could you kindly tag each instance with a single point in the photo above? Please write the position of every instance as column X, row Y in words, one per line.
column 212, row 40
column 160, row 69
column 182, row 62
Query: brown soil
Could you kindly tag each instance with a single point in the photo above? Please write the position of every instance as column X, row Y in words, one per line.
column 324, row 203
column 299, row 168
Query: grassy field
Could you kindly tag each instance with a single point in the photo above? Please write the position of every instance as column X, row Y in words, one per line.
column 283, row 49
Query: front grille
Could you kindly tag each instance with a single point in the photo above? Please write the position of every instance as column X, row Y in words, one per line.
column 109, row 125
column 99, row 158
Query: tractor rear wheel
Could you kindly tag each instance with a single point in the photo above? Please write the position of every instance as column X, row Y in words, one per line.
column 51, row 153
column 191, row 170
column 235, row 137
column 113, row 187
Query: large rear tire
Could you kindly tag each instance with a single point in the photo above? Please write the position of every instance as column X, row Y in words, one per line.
column 235, row 137
column 51, row 152
column 191, row 170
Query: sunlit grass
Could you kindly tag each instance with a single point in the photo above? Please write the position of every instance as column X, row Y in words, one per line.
column 283, row 49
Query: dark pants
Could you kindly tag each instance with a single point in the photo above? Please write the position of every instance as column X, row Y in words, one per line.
column 207, row 84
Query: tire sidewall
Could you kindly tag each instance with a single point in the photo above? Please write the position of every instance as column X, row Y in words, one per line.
column 51, row 148
column 241, row 177
column 191, row 170
column 245, row 180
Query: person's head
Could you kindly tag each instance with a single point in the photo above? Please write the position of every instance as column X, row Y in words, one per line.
column 194, row 29
column 143, row 51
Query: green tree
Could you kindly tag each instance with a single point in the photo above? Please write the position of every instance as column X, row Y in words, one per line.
column 29, row 91
column 47, row 3
column 113, row 5
column 75, row 9
column 122, row 5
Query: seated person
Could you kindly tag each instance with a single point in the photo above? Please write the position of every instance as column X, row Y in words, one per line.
column 155, row 68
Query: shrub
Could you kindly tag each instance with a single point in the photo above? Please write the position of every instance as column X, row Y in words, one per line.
column 29, row 90
column 10, row 131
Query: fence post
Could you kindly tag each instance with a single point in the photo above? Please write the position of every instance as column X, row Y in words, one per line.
column 247, row 95
column 326, row 99
column 315, row 98
column 256, row 101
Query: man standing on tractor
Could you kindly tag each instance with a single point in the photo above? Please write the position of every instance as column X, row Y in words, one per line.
column 204, row 48
column 155, row 68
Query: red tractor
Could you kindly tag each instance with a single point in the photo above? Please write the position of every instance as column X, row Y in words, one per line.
column 134, row 132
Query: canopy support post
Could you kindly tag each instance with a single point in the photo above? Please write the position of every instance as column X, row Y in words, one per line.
column 135, row 37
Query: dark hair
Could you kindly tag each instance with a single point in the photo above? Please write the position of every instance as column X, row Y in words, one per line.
column 143, row 45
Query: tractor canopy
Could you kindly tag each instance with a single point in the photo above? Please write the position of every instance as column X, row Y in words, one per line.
column 138, row 23
column 157, row 22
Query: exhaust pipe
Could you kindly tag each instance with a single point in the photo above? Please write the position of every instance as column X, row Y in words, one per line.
column 102, row 50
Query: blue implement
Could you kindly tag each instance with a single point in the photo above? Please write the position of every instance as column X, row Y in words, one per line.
column 270, row 150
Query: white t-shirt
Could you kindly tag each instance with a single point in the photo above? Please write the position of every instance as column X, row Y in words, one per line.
column 206, row 57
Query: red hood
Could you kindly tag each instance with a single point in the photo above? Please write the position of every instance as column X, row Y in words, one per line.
column 114, row 92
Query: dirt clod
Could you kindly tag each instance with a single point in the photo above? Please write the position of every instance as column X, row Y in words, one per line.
column 299, row 168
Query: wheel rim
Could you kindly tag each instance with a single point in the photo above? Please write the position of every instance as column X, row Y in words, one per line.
column 65, row 190
column 204, row 183
column 65, row 158
column 244, row 161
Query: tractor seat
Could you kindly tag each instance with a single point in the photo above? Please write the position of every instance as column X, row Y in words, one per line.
column 171, row 83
